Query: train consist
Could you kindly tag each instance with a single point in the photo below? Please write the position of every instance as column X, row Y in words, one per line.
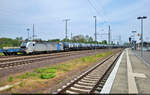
column 47, row 47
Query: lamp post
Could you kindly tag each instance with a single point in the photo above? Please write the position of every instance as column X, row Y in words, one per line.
column 141, row 18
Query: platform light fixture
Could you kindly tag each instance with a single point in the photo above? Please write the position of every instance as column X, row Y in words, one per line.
column 141, row 18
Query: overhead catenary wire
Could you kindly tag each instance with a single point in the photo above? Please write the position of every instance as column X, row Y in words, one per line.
column 93, row 5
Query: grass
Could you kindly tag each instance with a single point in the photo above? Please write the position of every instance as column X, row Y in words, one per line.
column 41, row 75
column 45, row 70
column 51, row 72
column 1, row 54
column 27, row 75
column 10, row 79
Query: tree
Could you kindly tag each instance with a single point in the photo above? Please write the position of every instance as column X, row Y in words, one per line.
column 38, row 40
column 8, row 42
column 89, row 39
column 65, row 40
column 104, row 42
column 54, row 40
column 19, row 38
column 79, row 38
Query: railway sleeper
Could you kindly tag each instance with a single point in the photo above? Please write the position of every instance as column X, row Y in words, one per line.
column 99, row 88
column 87, row 84
column 40, row 59
column 24, row 62
column 97, row 92
column 102, row 82
column 79, row 90
column 2, row 66
column 89, row 81
column 71, row 92
column 83, row 86
column 7, row 65
column 91, row 77
column 20, row 63
column 27, row 62
column 97, row 71
column 100, row 85
column 11, row 64
column 95, row 74
column 30, row 61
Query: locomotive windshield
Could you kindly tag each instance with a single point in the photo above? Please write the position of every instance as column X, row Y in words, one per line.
column 23, row 45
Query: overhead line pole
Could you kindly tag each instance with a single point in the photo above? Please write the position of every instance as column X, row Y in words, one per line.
column 28, row 35
column 109, row 35
column 95, row 32
column 71, row 35
column 33, row 32
column 66, row 26
column 95, row 28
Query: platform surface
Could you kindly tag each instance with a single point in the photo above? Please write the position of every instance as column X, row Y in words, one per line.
column 132, row 76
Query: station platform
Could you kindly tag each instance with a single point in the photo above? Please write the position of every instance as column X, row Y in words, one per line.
column 131, row 75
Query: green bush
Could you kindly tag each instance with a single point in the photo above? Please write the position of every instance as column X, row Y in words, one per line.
column 45, row 70
column 47, row 75
column 49, row 70
column 10, row 79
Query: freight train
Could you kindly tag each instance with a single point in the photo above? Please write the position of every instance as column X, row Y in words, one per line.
column 47, row 47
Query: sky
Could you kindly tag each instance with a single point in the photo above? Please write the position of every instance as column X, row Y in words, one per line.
column 16, row 16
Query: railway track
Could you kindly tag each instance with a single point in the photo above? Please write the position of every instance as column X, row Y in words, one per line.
column 92, row 80
column 13, row 58
column 28, row 60
column 1, row 57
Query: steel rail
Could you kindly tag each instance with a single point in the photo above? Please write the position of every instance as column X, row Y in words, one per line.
column 81, row 79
